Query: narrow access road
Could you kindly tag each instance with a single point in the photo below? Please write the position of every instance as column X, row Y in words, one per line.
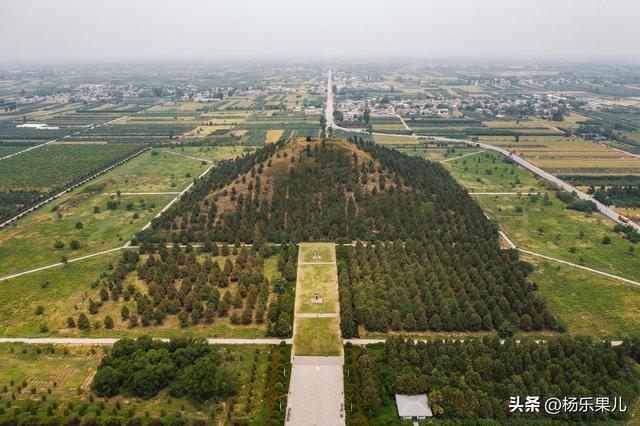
column 187, row 156
column 575, row 265
column 504, row 193
column 111, row 341
column 141, row 193
column 462, row 156
column 55, row 265
column 364, row 342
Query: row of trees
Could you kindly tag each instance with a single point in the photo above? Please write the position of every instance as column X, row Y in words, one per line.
column 197, row 291
column 427, row 285
column 475, row 378
column 621, row 196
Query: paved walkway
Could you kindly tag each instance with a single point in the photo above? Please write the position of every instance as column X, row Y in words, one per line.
column 332, row 315
column 316, row 392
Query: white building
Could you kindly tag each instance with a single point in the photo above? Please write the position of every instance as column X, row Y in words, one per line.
column 413, row 407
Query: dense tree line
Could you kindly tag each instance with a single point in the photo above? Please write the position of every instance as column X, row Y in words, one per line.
column 475, row 378
column 427, row 285
column 143, row 367
column 277, row 385
column 199, row 291
column 621, row 196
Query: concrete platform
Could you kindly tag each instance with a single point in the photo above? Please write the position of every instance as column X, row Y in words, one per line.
column 316, row 392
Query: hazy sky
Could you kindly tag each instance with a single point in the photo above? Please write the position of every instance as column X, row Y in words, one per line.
column 169, row 29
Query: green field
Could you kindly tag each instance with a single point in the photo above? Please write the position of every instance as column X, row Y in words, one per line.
column 7, row 149
column 569, row 235
column 319, row 279
column 588, row 304
column 62, row 376
column 162, row 172
column 30, row 243
column 53, row 166
column 326, row 251
column 317, row 337
column 214, row 153
column 490, row 172
column 154, row 171
column 62, row 291
column 65, row 292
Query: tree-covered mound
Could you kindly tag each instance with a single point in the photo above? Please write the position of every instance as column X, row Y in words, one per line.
column 143, row 367
column 473, row 379
column 452, row 275
column 300, row 191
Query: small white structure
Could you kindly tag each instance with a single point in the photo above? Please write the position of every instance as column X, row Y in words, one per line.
column 413, row 407
column 38, row 126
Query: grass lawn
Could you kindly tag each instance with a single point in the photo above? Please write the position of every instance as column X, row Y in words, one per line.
column 395, row 140
column 154, row 171
column 566, row 234
column 588, row 304
column 67, row 372
column 6, row 149
column 317, row 337
column 326, row 251
column 212, row 153
column 320, row 279
column 58, row 290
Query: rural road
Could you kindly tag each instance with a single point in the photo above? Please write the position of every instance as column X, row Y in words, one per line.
column 110, row 341
column 363, row 342
column 608, row 212
column 462, row 156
